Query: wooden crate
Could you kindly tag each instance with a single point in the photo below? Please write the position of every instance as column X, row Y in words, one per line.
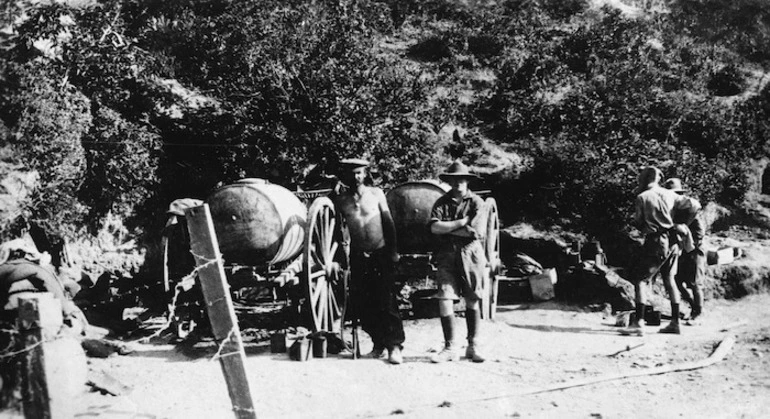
column 542, row 285
column 509, row 290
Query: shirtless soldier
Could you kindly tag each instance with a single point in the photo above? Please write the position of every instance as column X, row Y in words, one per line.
column 373, row 253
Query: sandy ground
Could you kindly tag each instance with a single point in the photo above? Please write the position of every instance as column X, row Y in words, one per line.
column 530, row 347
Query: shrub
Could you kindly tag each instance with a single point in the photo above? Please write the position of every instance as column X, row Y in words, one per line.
column 430, row 49
column 727, row 81
column 122, row 162
column 51, row 124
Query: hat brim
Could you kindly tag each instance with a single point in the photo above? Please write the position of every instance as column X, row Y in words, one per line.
column 354, row 163
column 444, row 176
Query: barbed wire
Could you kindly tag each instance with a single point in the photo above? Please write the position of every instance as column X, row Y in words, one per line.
column 11, row 340
column 5, row 354
column 187, row 282
column 222, row 344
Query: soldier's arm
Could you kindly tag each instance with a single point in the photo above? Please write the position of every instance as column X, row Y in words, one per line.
column 388, row 226
column 689, row 206
column 438, row 225
column 697, row 230
column 473, row 228
column 638, row 213
column 448, row 227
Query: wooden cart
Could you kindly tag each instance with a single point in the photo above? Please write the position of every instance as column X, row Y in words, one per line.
column 272, row 237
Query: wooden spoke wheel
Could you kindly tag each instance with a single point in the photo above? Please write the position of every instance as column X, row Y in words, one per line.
column 321, row 270
column 492, row 242
column 492, row 252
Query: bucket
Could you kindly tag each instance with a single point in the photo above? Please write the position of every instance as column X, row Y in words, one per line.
column 278, row 342
column 319, row 346
column 300, row 350
column 652, row 317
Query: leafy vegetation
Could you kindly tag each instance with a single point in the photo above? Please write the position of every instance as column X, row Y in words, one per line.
column 125, row 105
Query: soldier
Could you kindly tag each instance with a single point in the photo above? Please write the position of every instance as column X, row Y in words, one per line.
column 456, row 221
column 692, row 264
column 373, row 252
column 654, row 217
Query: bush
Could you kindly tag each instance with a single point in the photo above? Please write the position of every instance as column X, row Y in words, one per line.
column 430, row 49
column 727, row 81
column 122, row 161
column 52, row 122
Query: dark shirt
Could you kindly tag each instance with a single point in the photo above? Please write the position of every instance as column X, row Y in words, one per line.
column 447, row 208
column 697, row 230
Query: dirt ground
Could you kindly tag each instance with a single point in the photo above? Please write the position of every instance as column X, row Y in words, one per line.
column 530, row 347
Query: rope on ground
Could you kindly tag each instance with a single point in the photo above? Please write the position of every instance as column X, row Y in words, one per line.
column 723, row 348
column 719, row 354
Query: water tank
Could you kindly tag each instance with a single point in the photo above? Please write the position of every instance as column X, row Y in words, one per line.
column 257, row 222
column 411, row 204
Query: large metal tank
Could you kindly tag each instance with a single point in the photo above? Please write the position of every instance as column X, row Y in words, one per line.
column 411, row 204
column 257, row 222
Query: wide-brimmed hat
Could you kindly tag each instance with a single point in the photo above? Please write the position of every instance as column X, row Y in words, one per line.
column 457, row 170
column 675, row 184
column 353, row 163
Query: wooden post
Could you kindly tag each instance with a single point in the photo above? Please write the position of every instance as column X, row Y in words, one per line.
column 224, row 324
column 53, row 364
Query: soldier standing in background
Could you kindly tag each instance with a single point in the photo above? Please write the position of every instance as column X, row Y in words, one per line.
column 692, row 264
column 654, row 217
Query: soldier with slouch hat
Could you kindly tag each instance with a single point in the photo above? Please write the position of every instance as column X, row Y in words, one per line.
column 456, row 221
column 692, row 263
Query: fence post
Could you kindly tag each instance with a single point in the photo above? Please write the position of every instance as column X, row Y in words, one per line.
column 53, row 364
column 216, row 292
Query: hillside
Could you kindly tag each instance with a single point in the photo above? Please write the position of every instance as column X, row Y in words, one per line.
column 107, row 105
column 111, row 110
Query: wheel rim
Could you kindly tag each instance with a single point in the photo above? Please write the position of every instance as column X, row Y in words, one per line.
column 492, row 244
column 322, row 273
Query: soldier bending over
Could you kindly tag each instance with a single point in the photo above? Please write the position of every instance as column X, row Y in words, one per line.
column 654, row 216
column 692, row 264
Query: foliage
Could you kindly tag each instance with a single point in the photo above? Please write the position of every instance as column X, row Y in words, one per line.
column 594, row 105
column 125, row 105
column 122, row 158
column 298, row 85
column 741, row 25
column 48, row 140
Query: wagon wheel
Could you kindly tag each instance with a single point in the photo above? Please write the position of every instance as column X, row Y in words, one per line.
column 321, row 270
column 492, row 243
column 492, row 252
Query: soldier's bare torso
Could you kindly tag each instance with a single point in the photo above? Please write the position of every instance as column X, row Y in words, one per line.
column 361, row 208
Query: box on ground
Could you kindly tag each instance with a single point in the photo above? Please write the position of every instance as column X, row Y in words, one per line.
column 721, row 256
column 542, row 285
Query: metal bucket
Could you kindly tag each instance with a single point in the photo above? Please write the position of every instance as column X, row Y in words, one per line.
column 257, row 223
column 411, row 204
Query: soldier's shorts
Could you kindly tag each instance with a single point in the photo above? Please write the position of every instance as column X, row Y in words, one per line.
column 461, row 272
column 654, row 253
